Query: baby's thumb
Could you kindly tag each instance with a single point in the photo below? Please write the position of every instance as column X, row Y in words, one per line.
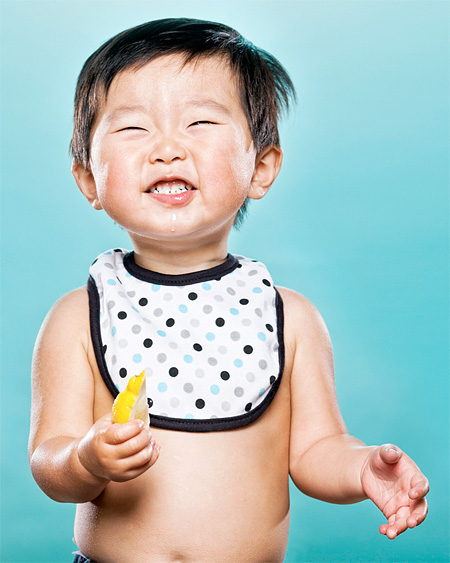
column 390, row 454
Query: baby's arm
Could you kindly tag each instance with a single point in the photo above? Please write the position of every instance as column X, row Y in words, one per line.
column 325, row 461
column 72, row 456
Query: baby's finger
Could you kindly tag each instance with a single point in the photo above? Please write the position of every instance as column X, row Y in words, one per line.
column 119, row 433
column 419, row 487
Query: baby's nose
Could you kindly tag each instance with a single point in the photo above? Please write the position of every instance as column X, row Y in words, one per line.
column 167, row 149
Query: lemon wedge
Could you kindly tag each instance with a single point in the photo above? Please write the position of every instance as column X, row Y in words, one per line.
column 132, row 403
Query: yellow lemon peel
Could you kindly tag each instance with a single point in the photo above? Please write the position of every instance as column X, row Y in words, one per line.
column 132, row 403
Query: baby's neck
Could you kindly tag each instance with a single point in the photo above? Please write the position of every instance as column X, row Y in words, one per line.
column 175, row 260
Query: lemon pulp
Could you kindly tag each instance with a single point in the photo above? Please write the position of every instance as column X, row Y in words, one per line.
column 131, row 403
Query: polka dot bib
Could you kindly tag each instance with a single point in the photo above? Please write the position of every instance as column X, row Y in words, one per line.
column 211, row 342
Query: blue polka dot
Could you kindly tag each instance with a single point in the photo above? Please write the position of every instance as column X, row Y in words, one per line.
column 206, row 286
column 262, row 336
column 261, row 392
column 257, row 290
column 182, row 309
column 161, row 333
column 189, row 415
column 188, row 359
column 128, row 275
column 155, row 287
column 137, row 358
column 214, row 389
column 108, row 253
column 113, row 331
column 234, row 311
column 134, row 309
column 210, row 336
column 162, row 387
column 111, row 282
column 238, row 363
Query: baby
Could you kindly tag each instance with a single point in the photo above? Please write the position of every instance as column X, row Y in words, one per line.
column 175, row 130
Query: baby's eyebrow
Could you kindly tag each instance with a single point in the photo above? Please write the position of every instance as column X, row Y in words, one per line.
column 208, row 103
column 117, row 112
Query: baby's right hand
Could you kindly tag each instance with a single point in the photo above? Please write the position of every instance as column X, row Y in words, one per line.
column 117, row 452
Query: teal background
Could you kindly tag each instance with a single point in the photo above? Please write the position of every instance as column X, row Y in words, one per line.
column 357, row 222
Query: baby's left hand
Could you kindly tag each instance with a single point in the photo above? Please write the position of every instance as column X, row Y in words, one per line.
column 397, row 486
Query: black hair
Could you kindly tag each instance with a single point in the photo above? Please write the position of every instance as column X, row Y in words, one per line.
column 264, row 86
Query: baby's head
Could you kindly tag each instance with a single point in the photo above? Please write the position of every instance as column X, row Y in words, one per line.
column 263, row 86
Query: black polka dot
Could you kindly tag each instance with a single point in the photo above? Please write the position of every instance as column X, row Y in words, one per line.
column 104, row 349
column 173, row 372
column 143, row 302
column 122, row 315
column 248, row 407
column 243, row 301
column 199, row 403
column 220, row 321
column 170, row 322
column 192, row 296
column 149, row 402
column 272, row 379
column 225, row 375
column 148, row 342
column 197, row 347
column 123, row 372
column 248, row 349
column 266, row 282
column 269, row 327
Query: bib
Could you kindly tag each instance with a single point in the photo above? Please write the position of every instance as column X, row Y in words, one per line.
column 211, row 342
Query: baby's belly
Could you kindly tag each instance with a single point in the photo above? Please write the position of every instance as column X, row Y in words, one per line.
column 213, row 498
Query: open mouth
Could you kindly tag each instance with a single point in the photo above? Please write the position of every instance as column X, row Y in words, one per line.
column 170, row 187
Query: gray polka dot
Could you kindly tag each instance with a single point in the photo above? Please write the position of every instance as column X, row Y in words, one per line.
column 174, row 402
column 250, row 376
column 212, row 361
column 131, row 293
column 226, row 406
column 253, row 272
column 276, row 347
column 246, row 322
column 122, row 343
column 258, row 313
column 161, row 358
column 168, row 297
column 148, row 321
column 148, row 372
column 231, row 291
column 158, row 312
column 195, row 323
column 213, row 416
column 185, row 334
column 173, row 345
column 262, row 364
column 111, row 304
column 121, row 294
column 222, row 349
column 238, row 391
column 114, row 360
column 136, row 329
column 235, row 336
column 199, row 373
column 240, row 283
column 188, row 387
column 218, row 298
column 108, row 265
column 207, row 309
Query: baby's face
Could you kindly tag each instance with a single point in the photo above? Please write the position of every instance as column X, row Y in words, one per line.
column 171, row 153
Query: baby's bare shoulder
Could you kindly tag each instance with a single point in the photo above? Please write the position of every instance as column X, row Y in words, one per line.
column 302, row 320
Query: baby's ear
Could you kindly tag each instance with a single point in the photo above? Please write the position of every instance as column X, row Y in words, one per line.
column 267, row 165
column 86, row 183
